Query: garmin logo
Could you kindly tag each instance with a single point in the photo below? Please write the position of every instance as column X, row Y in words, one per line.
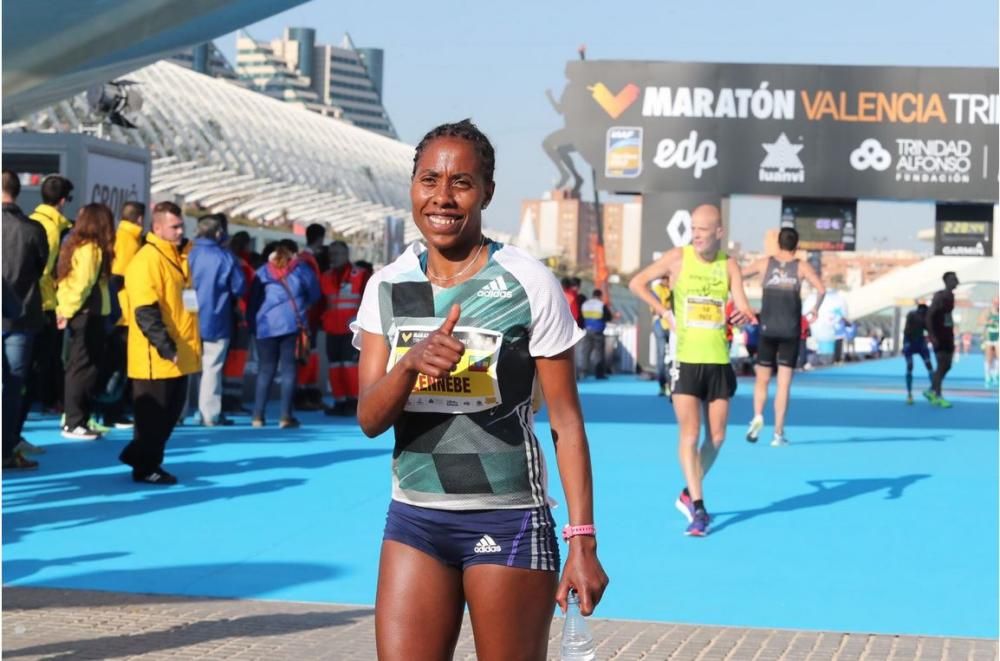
column 497, row 288
column 974, row 251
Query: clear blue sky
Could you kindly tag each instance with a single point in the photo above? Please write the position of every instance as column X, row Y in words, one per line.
column 449, row 59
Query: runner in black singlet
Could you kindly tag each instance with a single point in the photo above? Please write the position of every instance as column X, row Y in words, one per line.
column 915, row 342
column 780, row 328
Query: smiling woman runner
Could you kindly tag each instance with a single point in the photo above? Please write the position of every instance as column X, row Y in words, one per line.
column 453, row 335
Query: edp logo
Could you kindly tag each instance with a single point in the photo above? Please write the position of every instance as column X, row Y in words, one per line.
column 686, row 154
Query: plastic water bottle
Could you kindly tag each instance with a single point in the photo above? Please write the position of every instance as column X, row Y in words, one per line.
column 577, row 643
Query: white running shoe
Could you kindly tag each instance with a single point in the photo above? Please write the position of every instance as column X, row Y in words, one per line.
column 754, row 430
column 779, row 441
column 80, row 433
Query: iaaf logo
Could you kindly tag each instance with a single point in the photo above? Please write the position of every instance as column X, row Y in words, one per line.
column 687, row 154
column 782, row 162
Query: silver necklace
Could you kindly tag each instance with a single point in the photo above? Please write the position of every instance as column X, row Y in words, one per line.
column 464, row 269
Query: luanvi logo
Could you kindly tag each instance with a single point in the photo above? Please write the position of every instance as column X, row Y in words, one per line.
column 782, row 163
column 614, row 104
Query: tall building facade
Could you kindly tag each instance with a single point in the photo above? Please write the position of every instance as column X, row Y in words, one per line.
column 341, row 81
column 563, row 225
column 207, row 59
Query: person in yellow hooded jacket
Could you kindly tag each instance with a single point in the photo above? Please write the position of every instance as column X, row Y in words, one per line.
column 164, row 344
column 83, row 304
column 45, row 384
column 128, row 240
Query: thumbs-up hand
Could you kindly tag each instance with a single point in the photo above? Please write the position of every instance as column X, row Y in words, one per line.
column 449, row 323
column 438, row 353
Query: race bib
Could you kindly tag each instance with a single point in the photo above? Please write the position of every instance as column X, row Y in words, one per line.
column 190, row 298
column 472, row 386
column 704, row 312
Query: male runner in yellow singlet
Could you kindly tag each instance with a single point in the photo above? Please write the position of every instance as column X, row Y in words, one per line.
column 703, row 277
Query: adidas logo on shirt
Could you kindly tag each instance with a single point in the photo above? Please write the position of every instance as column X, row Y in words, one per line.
column 496, row 288
column 487, row 545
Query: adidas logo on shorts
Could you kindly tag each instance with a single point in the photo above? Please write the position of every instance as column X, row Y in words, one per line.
column 487, row 545
column 496, row 288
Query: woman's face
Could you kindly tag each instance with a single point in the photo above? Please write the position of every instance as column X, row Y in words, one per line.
column 448, row 194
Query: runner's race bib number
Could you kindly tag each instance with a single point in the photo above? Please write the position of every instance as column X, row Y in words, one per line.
column 705, row 312
column 471, row 387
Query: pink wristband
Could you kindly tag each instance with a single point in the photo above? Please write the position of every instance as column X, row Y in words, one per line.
column 570, row 532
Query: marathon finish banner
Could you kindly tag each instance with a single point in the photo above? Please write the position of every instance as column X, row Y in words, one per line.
column 797, row 130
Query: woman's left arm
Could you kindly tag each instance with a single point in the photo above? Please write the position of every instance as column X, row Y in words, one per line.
column 582, row 571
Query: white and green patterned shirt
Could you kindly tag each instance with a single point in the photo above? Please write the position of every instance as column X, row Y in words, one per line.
column 467, row 441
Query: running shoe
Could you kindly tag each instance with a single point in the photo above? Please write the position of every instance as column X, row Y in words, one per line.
column 24, row 447
column 930, row 395
column 123, row 422
column 80, row 433
column 94, row 426
column 754, row 430
column 685, row 506
column 909, row 400
column 779, row 441
column 289, row 423
column 19, row 462
column 158, row 477
column 699, row 526
column 942, row 403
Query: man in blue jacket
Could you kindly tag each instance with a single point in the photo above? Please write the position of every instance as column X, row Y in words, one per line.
column 218, row 282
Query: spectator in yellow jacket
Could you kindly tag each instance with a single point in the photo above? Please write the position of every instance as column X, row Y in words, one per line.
column 128, row 240
column 83, row 304
column 164, row 344
column 45, row 384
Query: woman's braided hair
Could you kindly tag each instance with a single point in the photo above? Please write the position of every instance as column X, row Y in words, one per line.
column 465, row 130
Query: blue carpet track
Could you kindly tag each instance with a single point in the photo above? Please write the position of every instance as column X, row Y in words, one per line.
column 879, row 517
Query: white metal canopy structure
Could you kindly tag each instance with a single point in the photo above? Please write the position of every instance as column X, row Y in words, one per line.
column 230, row 149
